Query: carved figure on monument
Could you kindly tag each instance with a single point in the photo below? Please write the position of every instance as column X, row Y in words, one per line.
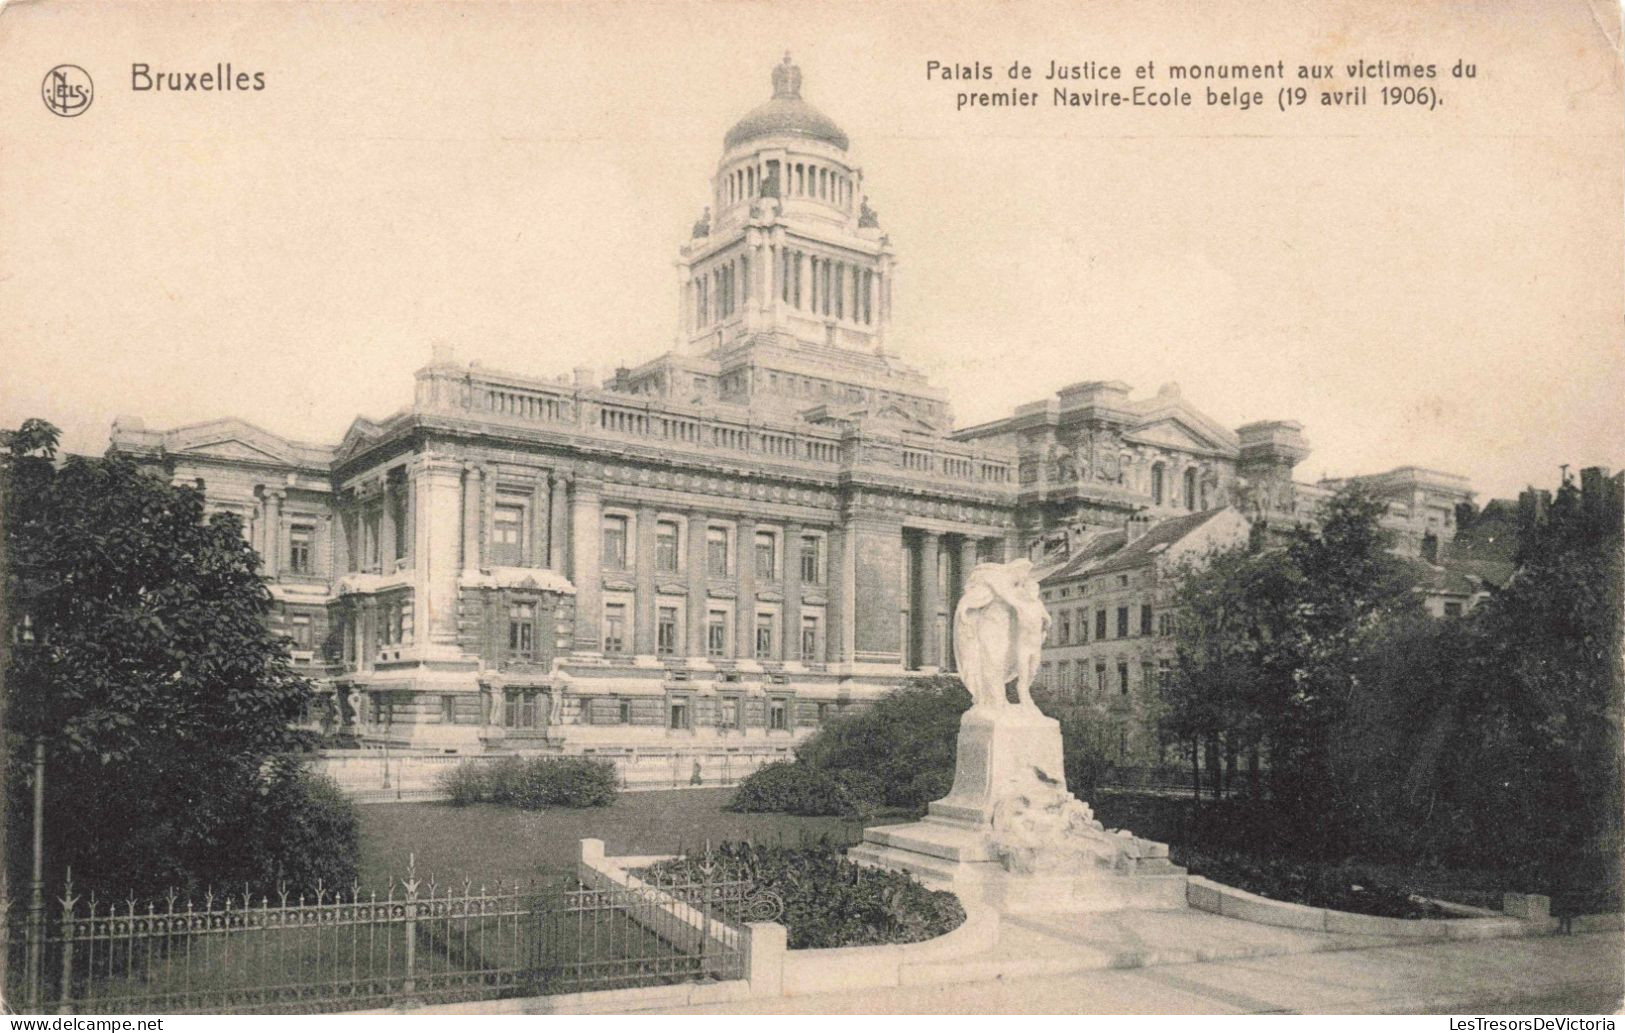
column 702, row 225
column 358, row 706
column 999, row 629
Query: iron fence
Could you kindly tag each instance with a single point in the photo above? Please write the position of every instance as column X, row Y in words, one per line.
column 415, row 942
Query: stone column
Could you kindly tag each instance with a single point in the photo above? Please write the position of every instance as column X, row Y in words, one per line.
column 745, row 605
column 792, row 592
column 698, row 599
column 472, row 489
column 586, row 537
column 558, row 537
column 643, row 606
column 930, row 599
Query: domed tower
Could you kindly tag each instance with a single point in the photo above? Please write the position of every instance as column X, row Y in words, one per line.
column 789, row 247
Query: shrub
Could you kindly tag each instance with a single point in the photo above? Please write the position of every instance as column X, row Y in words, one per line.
column 1083, row 755
column 907, row 733
column 534, row 783
column 305, row 830
column 791, row 788
column 828, row 900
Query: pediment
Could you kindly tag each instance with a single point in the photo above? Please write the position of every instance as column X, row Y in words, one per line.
column 231, row 439
column 232, row 448
column 1174, row 434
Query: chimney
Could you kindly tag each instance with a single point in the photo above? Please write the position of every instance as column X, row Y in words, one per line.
column 1136, row 527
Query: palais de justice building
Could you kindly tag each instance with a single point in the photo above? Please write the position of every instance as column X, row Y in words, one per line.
column 703, row 558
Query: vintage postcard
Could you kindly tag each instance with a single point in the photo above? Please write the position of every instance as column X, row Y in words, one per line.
column 812, row 507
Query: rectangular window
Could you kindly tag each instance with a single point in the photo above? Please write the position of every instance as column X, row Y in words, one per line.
column 728, row 712
column 716, row 552
column 522, row 629
column 614, row 557
column 666, row 631
column 777, row 719
column 448, row 710
column 519, row 708
column 1148, row 677
column 1100, row 625
column 1145, row 618
column 1122, row 678
column 716, row 633
column 809, row 638
column 678, row 712
column 1165, row 624
column 1065, row 629
column 1122, row 622
column 397, row 517
column 823, row 713
column 508, row 535
column 766, row 558
column 812, row 566
column 666, row 547
column 301, row 540
column 614, row 627
column 764, row 636
column 369, row 534
column 299, row 628
column 1100, row 677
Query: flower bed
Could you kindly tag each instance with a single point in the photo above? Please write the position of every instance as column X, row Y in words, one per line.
column 828, row 900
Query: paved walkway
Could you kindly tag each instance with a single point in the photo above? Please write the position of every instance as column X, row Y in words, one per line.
column 1575, row 974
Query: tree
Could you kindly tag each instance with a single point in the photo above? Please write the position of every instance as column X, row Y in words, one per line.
column 1266, row 647
column 1553, row 679
column 142, row 661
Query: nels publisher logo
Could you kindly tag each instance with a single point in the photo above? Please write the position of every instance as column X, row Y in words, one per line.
column 67, row 90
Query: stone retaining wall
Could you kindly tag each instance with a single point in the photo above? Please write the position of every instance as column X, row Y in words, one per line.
column 1525, row 915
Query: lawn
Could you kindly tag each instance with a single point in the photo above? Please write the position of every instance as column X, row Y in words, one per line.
column 488, row 843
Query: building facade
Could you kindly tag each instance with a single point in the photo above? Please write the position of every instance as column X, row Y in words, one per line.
column 693, row 564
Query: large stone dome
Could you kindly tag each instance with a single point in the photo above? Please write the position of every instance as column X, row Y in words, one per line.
column 786, row 114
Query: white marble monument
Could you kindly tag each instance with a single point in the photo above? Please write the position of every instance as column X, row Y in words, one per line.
column 1009, row 825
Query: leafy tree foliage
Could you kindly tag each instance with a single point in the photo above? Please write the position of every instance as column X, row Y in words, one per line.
column 141, row 660
column 1486, row 741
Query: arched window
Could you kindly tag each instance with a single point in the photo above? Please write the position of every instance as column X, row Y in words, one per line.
column 1156, row 484
column 1190, row 488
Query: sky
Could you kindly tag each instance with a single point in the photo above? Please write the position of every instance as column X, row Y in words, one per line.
column 1440, row 288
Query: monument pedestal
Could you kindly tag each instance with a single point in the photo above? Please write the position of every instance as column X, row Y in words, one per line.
column 1011, row 834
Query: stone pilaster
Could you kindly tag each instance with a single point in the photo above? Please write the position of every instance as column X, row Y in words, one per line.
column 930, row 599
column 967, row 563
column 838, row 636
column 558, row 536
column 386, row 525
column 876, row 563
column 745, row 605
column 438, row 492
column 473, row 476
column 643, row 617
column 539, row 515
column 273, row 533
column 586, row 537
column 792, row 592
column 698, row 599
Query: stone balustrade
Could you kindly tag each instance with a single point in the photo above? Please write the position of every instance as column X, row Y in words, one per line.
column 499, row 398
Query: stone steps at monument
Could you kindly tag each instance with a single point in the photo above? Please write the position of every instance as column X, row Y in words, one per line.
column 951, row 843
column 921, row 866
